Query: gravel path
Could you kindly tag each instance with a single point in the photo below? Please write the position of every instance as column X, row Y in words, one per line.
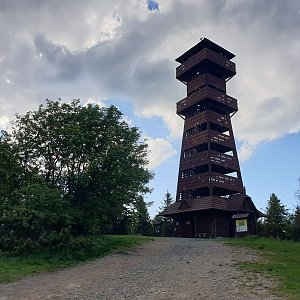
column 164, row 269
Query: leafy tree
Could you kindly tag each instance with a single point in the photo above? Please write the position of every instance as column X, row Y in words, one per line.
column 11, row 173
column 276, row 219
column 94, row 157
column 36, row 216
column 70, row 170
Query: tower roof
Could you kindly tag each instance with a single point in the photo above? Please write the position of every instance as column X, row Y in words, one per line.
column 204, row 43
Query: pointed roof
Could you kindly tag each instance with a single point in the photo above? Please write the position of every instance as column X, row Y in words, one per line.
column 204, row 43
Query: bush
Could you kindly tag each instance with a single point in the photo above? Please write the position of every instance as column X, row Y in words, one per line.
column 35, row 218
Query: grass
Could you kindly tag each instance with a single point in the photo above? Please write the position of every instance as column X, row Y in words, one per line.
column 14, row 268
column 282, row 261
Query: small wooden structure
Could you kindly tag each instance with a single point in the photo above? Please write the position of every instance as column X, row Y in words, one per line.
column 210, row 188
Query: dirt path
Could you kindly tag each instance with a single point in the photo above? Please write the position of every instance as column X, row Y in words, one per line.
column 165, row 269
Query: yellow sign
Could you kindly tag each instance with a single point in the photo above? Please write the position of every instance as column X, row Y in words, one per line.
column 241, row 225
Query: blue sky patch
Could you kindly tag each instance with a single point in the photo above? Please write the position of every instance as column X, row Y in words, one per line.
column 152, row 5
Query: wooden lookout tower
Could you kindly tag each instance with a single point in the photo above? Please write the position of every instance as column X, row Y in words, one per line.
column 210, row 193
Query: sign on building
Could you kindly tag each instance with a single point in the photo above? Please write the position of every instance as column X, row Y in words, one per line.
column 241, row 225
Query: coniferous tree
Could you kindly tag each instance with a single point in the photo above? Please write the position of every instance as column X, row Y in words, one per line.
column 296, row 220
column 163, row 224
column 296, row 224
column 276, row 220
column 167, row 201
column 144, row 225
column 297, row 193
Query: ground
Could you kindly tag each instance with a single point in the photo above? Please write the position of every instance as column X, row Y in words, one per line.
column 168, row 268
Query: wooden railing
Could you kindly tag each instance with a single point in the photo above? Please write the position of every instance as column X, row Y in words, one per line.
column 204, row 93
column 206, row 79
column 203, row 137
column 205, row 157
column 223, row 139
column 202, row 55
column 205, row 116
column 194, row 140
column 225, row 160
column 204, row 180
column 195, row 160
column 195, row 120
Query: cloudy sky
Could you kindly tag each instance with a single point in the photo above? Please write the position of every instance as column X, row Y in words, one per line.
column 123, row 53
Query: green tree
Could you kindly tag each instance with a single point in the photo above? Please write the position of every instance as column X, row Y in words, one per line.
column 11, row 173
column 95, row 158
column 135, row 219
column 163, row 225
column 31, row 212
column 296, row 220
column 36, row 217
column 297, row 193
column 143, row 221
column 276, row 220
column 167, row 201
column 296, row 224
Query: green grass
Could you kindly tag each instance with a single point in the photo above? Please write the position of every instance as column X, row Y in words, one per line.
column 281, row 260
column 14, row 268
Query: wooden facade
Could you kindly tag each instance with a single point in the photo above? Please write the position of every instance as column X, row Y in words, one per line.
column 210, row 188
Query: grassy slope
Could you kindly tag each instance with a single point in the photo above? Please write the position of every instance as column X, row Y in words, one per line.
column 13, row 268
column 282, row 261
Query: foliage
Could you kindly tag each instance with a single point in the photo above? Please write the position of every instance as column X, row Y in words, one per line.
column 144, row 225
column 66, row 171
column 10, row 167
column 35, row 217
column 282, row 261
column 295, row 230
column 297, row 193
column 135, row 219
column 276, row 218
column 78, row 249
column 167, row 201
column 163, row 225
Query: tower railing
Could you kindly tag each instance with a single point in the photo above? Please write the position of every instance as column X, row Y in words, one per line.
column 204, row 116
column 202, row 55
column 203, row 180
column 204, row 93
column 205, row 157
column 206, row 79
column 204, row 137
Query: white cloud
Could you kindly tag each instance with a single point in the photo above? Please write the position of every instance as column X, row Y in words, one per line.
column 4, row 123
column 159, row 151
column 127, row 120
column 119, row 49
column 245, row 151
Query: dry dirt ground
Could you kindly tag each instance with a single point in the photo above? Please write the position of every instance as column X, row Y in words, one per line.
column 164, row 269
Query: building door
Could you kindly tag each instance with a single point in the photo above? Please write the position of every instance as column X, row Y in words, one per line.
column 187, row 228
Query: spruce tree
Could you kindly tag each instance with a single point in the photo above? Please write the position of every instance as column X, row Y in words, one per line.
column 165, row 228
column 296, row 223
column 276, row 218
